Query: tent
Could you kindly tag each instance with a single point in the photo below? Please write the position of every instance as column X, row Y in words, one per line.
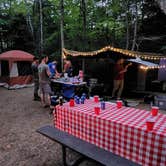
column 142, row 72
column 15, row 69
column 143, row 61
column 162, row 70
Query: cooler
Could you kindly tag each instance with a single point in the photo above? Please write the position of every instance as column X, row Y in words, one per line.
column 160, row 101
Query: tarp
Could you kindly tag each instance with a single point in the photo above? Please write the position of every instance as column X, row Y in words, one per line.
column 142, row 62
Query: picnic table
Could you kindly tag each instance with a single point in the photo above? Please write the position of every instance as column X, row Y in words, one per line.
column 121, row 131
column 66, row 87
column 61, row 81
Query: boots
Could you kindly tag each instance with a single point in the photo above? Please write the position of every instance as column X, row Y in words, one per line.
column 36, row 97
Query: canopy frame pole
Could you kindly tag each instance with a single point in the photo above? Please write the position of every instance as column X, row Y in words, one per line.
column 62, row 29
column 83, row 65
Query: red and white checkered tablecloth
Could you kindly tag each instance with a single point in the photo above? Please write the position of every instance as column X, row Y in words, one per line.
column 121, row 131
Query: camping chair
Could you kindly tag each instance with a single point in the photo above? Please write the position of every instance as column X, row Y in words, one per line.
column 92, row 83
column 95, row 88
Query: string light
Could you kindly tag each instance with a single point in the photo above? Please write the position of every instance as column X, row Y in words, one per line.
column 122, row 51
column 153, row 67
column 129, row 53
column 143, row 67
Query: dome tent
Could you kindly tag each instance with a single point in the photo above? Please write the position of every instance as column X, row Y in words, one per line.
column 15, row 69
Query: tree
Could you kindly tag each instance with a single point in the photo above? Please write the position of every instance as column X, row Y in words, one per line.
column 86, row 25
column 61, row 28
column 153, row 28
column 83, row 14
column 135, row 25
column 41, row 27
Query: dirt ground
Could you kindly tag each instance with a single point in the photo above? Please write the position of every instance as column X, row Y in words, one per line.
column 20, row 145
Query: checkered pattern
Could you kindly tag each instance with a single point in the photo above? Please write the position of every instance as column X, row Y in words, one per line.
column 121, row 131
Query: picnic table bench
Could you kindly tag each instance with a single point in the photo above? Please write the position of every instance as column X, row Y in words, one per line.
column 88, row 150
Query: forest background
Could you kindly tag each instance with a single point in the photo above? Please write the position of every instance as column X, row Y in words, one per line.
column 38, row 26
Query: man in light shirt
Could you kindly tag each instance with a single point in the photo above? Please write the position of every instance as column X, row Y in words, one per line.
column 44, row 82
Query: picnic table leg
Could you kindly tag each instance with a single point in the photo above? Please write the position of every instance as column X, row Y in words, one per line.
column 64, row 155
column 78, row 161
column 74, row 163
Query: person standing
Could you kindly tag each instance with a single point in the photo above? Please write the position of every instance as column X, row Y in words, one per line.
column 34, row 67
column 119, row 73
column 53, row 69
column 68, row 68
column 44, row 82
column 54, row 75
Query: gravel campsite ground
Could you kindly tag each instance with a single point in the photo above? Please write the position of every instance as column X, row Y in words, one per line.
column 20, row 145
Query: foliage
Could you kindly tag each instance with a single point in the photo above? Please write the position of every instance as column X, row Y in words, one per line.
column 107, row 22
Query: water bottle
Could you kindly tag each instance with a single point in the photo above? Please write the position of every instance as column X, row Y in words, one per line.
column 102, row 105
column 82, row 100
column 84, row 95
column 75, row 98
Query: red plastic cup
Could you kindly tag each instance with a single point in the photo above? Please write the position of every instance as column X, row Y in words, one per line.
column 97, row 110
column 119, row 104
column 154, row 111
column 150, row 124
column 96, row 98
column 71, row 103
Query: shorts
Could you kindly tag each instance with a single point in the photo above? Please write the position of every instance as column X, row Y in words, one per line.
column 45, row 88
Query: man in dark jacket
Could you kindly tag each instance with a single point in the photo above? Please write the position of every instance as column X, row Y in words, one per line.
column 34, row 67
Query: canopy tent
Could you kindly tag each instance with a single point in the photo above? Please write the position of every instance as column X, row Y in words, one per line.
column 123, row 52
column 162, row 70
column 15, row 69
column 142, row 59
column 114, row 53
column 142, row 72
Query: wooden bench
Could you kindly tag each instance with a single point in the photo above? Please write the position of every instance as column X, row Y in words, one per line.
column 86, row 149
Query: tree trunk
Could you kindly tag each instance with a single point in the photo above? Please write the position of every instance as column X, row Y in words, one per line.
column 41, row 27
column 127, row 24
column 83, row 14
column 1, row 43
column 135, row 27
column 29, row 20
column 61, row 28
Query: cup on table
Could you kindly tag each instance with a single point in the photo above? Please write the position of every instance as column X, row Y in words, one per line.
column 71, row 102
column 119, row 103
column 97, row 110
column 96, row 98
column 154, row 110
column 150, row 124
